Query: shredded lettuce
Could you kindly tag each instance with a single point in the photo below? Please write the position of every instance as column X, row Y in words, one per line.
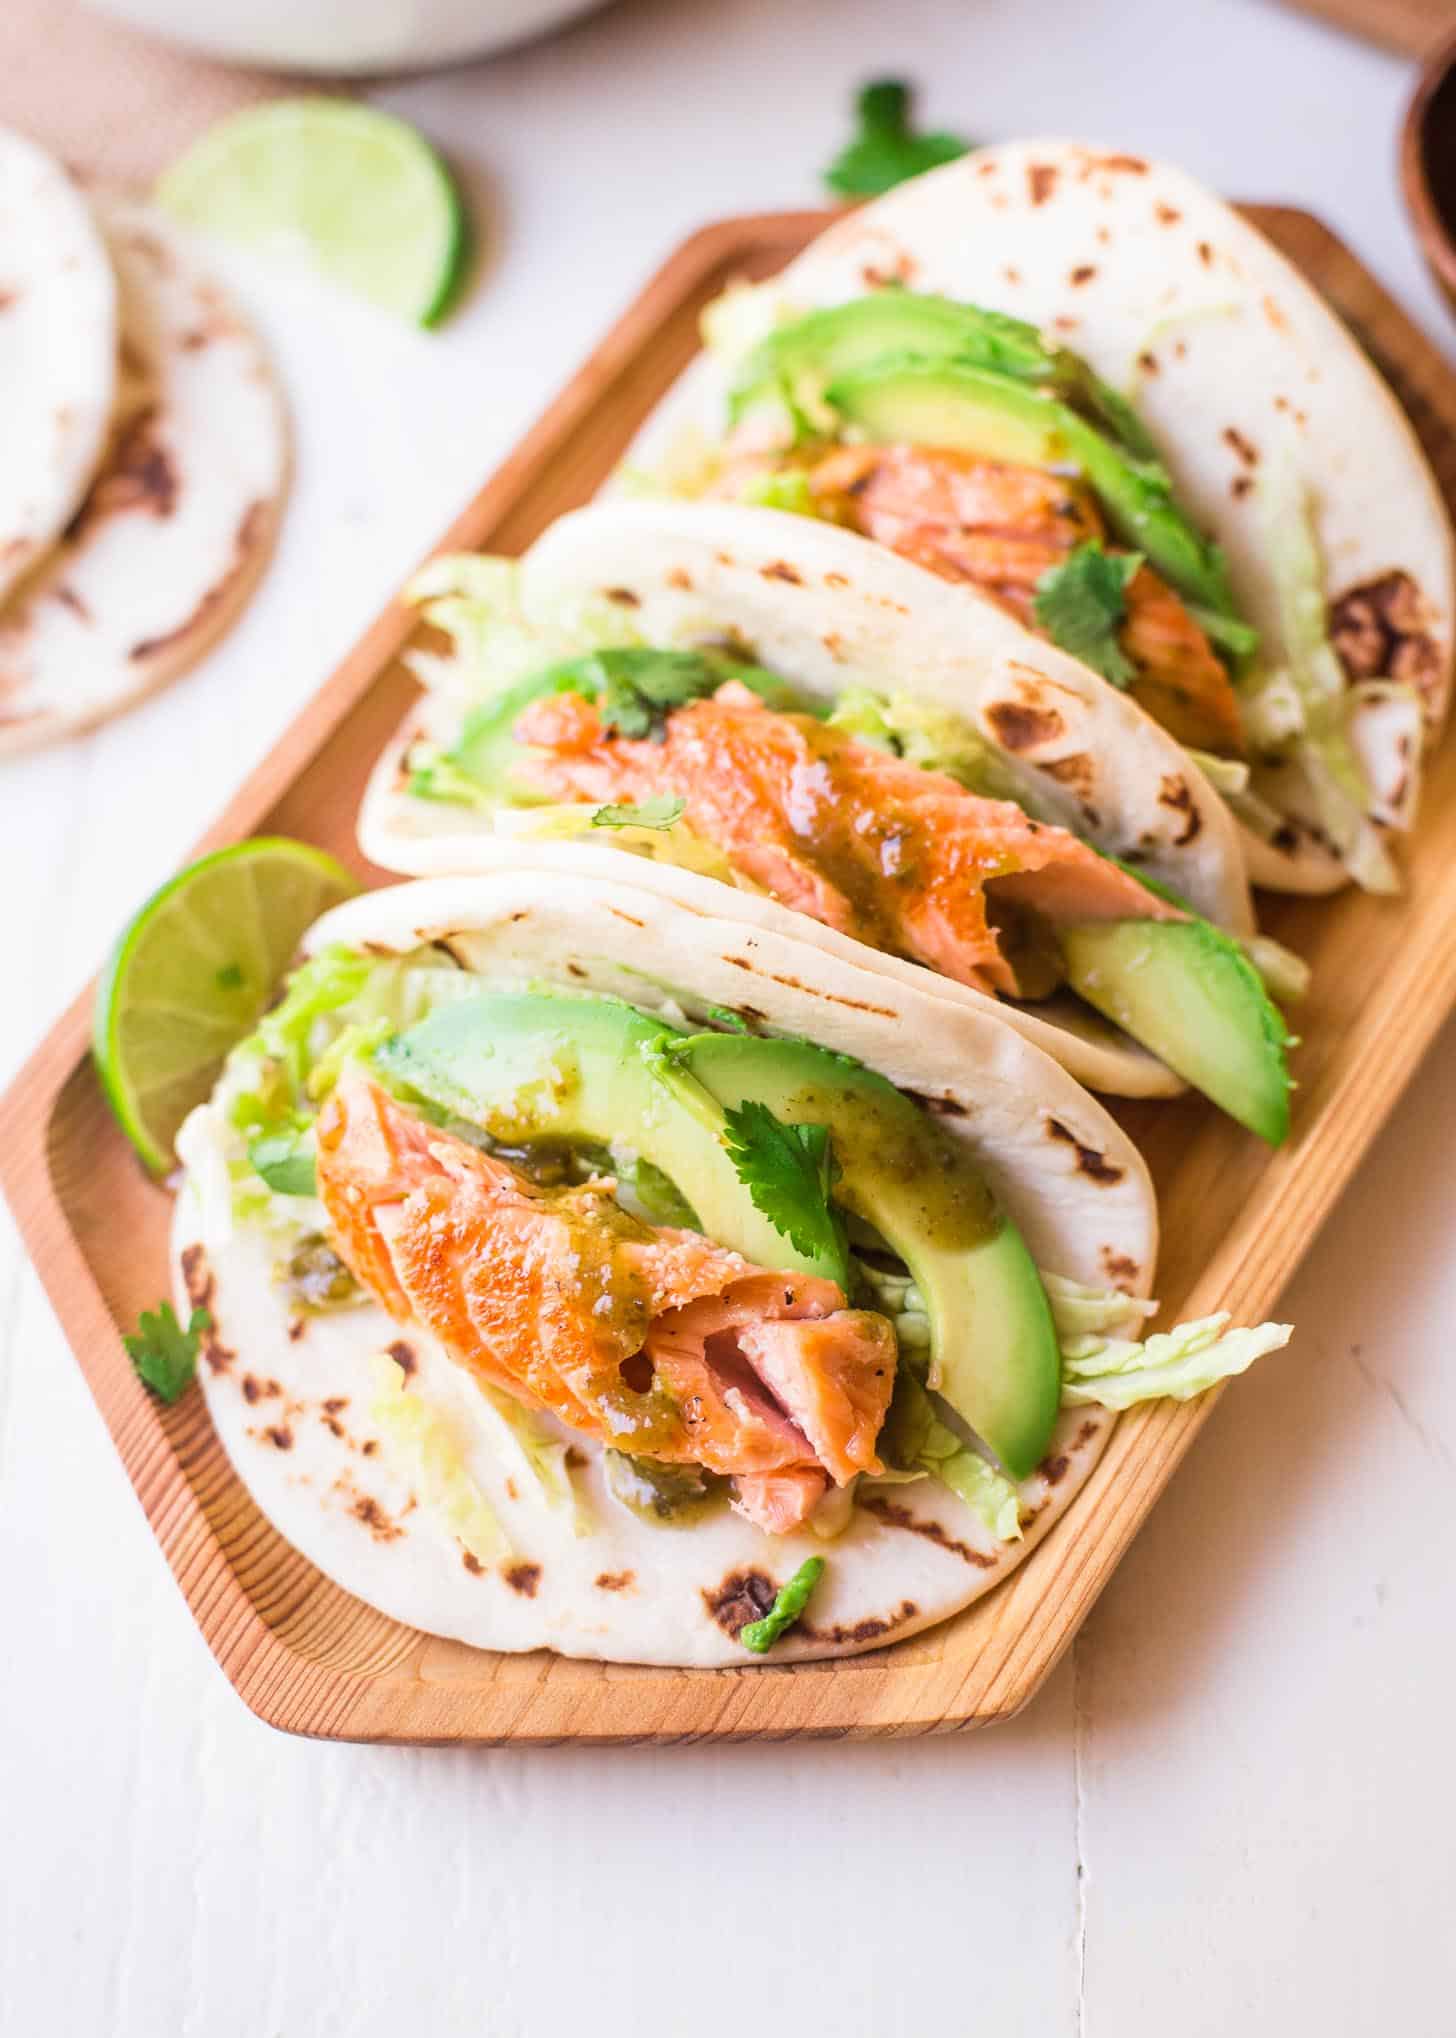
column 1080, row 1311
column 1174, row 1364
column 421, row 1444
column 1298, row 713
column 1225, row 774
column 916, row 1444
column 475, row 602
column 676, row 844
column 544, row 1458
column 934, row 738
column 784, row 488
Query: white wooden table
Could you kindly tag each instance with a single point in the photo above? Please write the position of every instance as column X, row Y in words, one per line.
column 1234, row 1808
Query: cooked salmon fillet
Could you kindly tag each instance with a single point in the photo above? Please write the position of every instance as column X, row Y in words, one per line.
column 647, row 1338
column 1001, row 526
column 897, row 856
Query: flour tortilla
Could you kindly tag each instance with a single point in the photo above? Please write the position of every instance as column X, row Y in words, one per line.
column 177, row 527
column 830, row 611
column 1237, row 366
column 293, row 1409
column 58, row 347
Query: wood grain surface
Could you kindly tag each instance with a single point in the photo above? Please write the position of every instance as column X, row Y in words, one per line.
column 1236, row 1219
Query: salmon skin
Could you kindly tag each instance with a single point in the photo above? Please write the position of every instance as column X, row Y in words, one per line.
column 899, row 857
column 646, row 1338
column 1001, row 526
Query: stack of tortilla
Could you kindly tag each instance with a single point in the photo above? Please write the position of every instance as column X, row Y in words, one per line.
column 146, row 453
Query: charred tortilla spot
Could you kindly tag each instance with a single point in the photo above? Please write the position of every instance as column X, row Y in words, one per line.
column 895, row 1515
column 867, row 1630
column 1054, row 1470
column 1083, row 273
column 1094, row 1165
column 1205, row 254
column 836, row 580
column 1041, row 179
column 1148, row 362
column 138, row 474
column 681, row 579
column 1011, row 275
column 280, row 1436
column 834, row 645
column 297, row 1327
column 472, row 1563
column 69, row 599
column 1078, row 772
column 1175, row 793
column 249, row 534
column 615, row 1581
column 1240, row 486
column 623, row 597
column 523, row 1578
column 1166, row 215
column 197, row 1276
column 742, row 1597
column 1381, row 630
column 403, row 1356
column 626, row 916
column 1234, row 438
column 1017, row 725
column 575, row 969
column 366, row 1510
column 1089, row 1429
column 942, row 1107
column 336, row 1404
column 1119, row 1268
column 1133, row 166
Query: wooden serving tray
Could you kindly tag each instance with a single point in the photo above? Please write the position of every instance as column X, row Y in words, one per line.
column 1236, row 1219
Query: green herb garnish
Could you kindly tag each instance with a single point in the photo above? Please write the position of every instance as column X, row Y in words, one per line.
column 788, row 1171
column 283, row 1162
column 788, row 1607
column 163, row 1353
column 1081, row 602
column 665, row 811
column 886, row 150
column 636, row 689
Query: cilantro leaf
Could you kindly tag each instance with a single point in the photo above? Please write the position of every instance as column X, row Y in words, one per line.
column 163, row 1353
column 636, row 688
column 886, row 150
column 283, row 1162
column 788, row 1171
column 788, row 1607
column 1080, row 603
column 665, row 811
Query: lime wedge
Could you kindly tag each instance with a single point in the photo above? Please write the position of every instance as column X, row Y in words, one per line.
column 193, row 973
column 353, row 193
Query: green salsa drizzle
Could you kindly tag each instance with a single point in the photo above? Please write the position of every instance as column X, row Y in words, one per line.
column 760, row 1635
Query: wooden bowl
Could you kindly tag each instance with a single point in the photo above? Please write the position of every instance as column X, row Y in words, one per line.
column 1428, row 166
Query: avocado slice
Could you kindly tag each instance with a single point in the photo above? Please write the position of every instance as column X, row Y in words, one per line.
column 975, row 410
column 994, row 1352
column 1191, row 995
column 549, row 1064
column 800, row 359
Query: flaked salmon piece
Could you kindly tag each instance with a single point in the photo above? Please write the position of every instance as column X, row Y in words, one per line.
column 897, row 856
column 634, row 1334
column 829, row 1377
column 780, row 1501
column 1001, row 526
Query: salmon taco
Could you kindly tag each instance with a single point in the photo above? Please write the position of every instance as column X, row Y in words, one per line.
column 1078, row 386
column 591, row 1271
column 738, row 698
